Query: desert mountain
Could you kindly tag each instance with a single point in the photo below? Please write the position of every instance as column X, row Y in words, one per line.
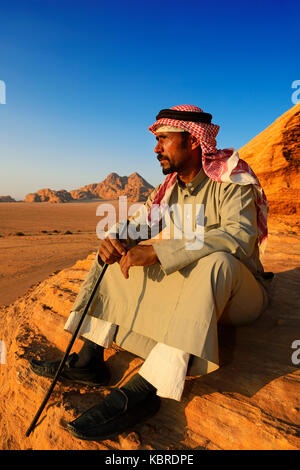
column 134, row 187
column 49, row 195
column 251, row 402
column 7, row 199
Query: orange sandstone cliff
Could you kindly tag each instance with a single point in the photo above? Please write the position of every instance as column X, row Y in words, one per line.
column 274, row 155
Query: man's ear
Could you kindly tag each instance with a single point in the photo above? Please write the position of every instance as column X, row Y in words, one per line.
column 194, row 142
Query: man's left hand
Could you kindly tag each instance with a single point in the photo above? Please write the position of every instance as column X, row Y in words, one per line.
column 138, row 256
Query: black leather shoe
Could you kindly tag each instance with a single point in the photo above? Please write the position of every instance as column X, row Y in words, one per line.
column 112, row 416
column 97, row 374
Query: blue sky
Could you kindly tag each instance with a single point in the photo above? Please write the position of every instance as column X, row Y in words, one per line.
column 85, row 79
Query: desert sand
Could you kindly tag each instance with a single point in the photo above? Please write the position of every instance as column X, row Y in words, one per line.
column 44, row 246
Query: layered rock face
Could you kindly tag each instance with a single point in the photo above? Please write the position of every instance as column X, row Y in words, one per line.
column 134, row 187
column 274, row 155
column 49, row 195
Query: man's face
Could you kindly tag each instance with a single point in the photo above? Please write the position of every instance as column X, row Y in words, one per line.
column 173, row 151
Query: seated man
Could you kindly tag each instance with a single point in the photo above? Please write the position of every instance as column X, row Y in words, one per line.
column 162, row 298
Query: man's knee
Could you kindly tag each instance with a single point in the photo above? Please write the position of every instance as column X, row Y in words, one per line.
column 221, row 259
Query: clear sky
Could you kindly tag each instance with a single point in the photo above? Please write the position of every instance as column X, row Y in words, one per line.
column 85, row 79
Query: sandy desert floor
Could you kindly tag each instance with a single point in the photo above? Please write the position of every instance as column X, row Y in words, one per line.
column 34, row 242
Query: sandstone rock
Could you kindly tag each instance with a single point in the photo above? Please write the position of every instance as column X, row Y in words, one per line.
column 49, row 195
column 274, row 155
column 32, row 197
column 251, row 402
column 82, row 194
column 130, row 441
column 133, row 186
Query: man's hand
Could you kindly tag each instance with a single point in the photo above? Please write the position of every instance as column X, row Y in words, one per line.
column 111, row 250
column 138, row 256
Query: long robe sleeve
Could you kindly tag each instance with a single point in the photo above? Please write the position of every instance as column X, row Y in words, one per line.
column 237, row 233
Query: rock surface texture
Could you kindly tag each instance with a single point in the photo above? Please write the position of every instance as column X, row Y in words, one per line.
column 133, row 186
column 274, row 155
column 49, row 195
column 251, row 402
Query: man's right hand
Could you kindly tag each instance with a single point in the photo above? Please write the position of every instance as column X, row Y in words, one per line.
column 111, row 250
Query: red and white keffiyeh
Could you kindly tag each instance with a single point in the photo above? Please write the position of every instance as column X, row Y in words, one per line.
column 219, row 165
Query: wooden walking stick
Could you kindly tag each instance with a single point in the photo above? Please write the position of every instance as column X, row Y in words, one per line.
column 64, row 359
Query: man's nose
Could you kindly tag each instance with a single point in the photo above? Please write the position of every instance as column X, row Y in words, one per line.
column 157, row 148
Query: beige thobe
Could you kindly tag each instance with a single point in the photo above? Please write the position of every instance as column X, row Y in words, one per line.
column 178, row 302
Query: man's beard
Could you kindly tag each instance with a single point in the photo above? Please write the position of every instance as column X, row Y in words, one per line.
column 167, row 171
column 170, row 169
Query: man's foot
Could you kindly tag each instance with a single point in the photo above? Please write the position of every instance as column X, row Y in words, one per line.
column 123, row 408
column 113, row 416
column 95, row 374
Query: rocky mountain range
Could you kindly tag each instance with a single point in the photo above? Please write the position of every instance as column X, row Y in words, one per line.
column 134, row 187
